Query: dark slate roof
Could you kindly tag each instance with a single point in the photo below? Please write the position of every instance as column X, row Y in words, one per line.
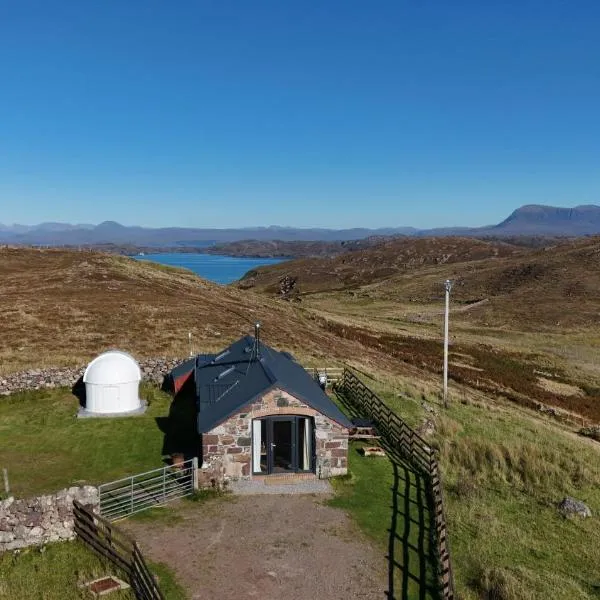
column 238, row 375
column 179, row 375
column 184, row 368
column 188, row 366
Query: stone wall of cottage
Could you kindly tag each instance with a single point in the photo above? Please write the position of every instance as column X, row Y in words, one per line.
column 227, row 449
column 36, row 521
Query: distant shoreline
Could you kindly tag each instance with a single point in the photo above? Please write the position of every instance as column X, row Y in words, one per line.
column 287, row 250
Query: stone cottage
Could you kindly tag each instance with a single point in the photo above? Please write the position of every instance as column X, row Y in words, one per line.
column 259, row 413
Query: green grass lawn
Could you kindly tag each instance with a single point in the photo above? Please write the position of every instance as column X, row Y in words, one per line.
column 505, row 475
column 46, row 448
column 504, row 471
column 388, row 502
column 166, row 580
column 54, row 572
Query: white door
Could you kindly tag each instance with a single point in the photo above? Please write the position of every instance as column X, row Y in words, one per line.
column 110, row 399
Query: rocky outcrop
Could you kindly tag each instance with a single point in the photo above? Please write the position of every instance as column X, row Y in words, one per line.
column 592, row 432
column 37, row 521
column 429, row 408
column 287, row 288
column 426, row 428
column 571, row 507
column 153, row 370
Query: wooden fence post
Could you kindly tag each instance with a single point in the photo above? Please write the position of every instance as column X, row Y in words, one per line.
column 195, row 473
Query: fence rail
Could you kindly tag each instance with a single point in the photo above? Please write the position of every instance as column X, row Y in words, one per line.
column 107, row 540
column 136, row 493
column 417, row 451
column 334, row 374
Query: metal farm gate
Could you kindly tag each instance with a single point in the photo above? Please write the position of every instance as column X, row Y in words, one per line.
column 136, row 493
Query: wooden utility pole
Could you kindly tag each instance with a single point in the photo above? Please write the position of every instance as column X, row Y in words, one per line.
column 448, row 287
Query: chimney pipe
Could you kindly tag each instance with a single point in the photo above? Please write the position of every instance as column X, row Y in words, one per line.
column 257, row 338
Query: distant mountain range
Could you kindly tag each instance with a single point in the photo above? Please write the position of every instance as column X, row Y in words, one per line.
column 530, row 220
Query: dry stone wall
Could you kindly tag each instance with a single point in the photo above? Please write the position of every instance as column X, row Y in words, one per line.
column 153, row 370
column 37, row 521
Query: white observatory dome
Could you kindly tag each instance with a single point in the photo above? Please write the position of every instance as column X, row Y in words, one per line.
column 111, row 385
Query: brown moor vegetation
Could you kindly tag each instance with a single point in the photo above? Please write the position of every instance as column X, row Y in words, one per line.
column 63, row 307
column 524, row 321
column 551, row 287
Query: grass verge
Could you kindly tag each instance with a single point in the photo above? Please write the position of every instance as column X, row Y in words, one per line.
column 46, row 448
column 388, row 502
column 504, row 473
column 168, row 582
column 54, row 572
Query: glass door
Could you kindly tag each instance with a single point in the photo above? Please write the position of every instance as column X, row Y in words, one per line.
column 282, row 445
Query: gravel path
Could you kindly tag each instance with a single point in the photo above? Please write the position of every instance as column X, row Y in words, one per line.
column 269, row 547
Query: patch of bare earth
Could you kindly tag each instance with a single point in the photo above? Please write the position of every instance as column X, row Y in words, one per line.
column 465, row 366
column 270, row 547
column 562, row 389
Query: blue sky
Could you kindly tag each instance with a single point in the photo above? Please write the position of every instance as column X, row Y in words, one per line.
column 317, row 113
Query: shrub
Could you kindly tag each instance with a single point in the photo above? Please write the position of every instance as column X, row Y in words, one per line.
column 204, row 494
column 465, row 488
column 499, row 584
column 591, row 432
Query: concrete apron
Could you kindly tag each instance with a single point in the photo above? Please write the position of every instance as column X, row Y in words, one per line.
column 280, row 485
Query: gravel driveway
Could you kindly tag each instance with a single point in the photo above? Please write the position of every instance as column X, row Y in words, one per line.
column 272, row 547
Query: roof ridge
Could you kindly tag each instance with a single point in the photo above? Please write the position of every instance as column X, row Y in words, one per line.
column 268, row 371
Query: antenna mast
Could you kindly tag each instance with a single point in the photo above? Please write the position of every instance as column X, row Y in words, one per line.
column 257, row 338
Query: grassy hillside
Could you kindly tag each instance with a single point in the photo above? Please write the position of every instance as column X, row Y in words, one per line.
column 505, row 466
column 505, row 470
column 59, row 307
column 524, row 322
column 553, row 288
column 363, row 267
column 500, row 285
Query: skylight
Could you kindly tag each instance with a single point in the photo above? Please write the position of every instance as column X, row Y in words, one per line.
column 224, row 373
column 223, row 354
